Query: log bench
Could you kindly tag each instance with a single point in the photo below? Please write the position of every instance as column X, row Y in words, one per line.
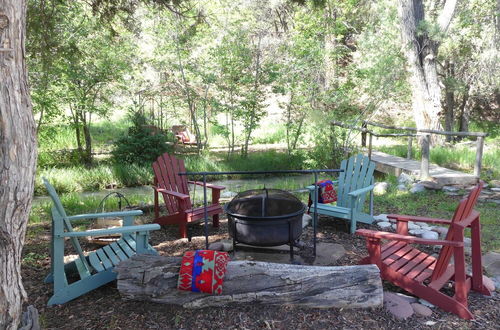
column 154, row 278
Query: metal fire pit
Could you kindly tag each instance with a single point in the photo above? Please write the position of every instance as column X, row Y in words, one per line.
column 265, row 217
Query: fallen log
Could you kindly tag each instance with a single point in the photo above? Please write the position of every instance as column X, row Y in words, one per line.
column 154, row 278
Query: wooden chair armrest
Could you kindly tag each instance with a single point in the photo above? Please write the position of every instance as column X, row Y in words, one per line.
column 120, row 230
column 211, row 186
column 401, row 217
column 105, row 215
column 172, row 193
column 408, row 239
column 361, row 191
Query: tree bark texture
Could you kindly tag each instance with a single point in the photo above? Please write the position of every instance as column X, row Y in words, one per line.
column 17, row 158
column 420, row 51
column 154, row 278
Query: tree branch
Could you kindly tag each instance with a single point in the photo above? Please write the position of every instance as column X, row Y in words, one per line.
column 446, row 15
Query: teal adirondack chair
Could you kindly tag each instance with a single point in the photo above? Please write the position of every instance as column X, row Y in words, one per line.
column 96, row 268
column 352, row 187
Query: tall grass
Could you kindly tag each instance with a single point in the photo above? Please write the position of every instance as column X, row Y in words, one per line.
column 80, row 178
column 457, row 157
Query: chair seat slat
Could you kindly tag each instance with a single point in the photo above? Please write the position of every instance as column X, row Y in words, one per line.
column 95, row 262
column 105, row 260
column 111, row 255
column 116, row 248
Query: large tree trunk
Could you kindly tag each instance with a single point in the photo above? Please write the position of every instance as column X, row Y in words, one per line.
column 17, row 158
column 154, row 278
column 420, row 52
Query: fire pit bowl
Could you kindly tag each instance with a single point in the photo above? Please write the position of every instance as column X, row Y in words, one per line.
column 265, row 217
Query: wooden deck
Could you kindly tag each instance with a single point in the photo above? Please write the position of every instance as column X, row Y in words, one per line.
column 396, row 165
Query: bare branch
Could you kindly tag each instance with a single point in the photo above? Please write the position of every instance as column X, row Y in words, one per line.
column 446, row 15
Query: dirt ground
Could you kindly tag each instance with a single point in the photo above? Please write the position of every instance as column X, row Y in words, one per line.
column 104, row 308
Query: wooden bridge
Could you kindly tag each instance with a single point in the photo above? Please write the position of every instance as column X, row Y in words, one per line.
column 423, row 169
column 396, row 165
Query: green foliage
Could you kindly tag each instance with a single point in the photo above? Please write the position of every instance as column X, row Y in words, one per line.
column 141, row 145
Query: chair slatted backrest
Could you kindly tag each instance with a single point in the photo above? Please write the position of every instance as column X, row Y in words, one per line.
column 58, row 213
column 357, row 174
column 166, row 169
column 463, row 210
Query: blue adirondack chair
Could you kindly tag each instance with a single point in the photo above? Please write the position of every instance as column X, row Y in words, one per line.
column 354, row 183
column 96, row 268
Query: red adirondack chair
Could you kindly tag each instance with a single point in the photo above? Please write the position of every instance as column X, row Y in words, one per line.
column 175, row 192
column 423, row 275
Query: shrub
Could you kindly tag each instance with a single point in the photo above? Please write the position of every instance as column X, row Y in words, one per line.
column 143, row 144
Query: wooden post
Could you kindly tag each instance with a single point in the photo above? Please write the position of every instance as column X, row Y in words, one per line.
column 479, row 156
column 424, row 163
column 370, row 145
column 409, row 153
column 363, row 134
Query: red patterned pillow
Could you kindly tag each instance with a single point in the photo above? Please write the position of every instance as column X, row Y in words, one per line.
column 203, row 271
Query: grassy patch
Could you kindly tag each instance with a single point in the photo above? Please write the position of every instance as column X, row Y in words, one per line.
column 439, row 205
column 457, row 157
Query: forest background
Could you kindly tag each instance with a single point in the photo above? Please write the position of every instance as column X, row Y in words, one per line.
column 241, row 73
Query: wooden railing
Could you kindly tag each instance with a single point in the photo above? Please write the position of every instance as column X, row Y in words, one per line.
column 425, row 141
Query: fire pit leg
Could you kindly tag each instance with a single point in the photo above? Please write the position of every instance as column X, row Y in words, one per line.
column 235, row 237
column 290, row 240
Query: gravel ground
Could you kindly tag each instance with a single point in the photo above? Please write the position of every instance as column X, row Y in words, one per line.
column 103, row 308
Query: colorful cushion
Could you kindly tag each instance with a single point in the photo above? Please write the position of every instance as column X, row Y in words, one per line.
column 203, row 271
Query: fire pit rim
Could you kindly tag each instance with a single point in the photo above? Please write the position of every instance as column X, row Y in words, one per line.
column 265, row 218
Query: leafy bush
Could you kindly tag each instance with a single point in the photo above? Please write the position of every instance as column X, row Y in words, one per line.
column 143, row 144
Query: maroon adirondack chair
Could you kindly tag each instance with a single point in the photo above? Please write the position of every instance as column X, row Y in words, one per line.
column 423, row 275
column 174, row 189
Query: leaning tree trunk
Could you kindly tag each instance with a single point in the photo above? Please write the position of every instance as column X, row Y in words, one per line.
column 17, row 158
column 420, row 51
column 154, row 278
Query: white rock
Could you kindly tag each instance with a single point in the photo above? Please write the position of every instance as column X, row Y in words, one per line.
column 417, row 188
column 381, row 217
column 426, row 303
column 450, row 189
column 416, row 232
column 495, row 189
column 405, row 178
column 467, row 242
column 402, row 187
column 412, row 225
column 441, row 230
column 380, row 188
column 384, row 224
column 430, row 235
column 430, row 323
column 306, row 220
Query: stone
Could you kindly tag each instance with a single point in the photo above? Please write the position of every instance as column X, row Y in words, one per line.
column 495, row 189
column 228, row 194
column 410, row 299
column 428, row 234
column 430, row 323
column 328, row 253
column 216, row 246
column 306, row 220
column 426, row 303
column 491, row 263
column 384, row 225
column 279, row 258
column 394, row 226
column 380, row 188
column 450, row 189
column 412, row 225
column 397, row 306
column 402, row 187
column 405, row 179
column 488, row 283
column 416, row 232
column 440, row 230
column 380, row 218
column 431, row 185
column 421, row 310
column 467, row 242
column 417, row 188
